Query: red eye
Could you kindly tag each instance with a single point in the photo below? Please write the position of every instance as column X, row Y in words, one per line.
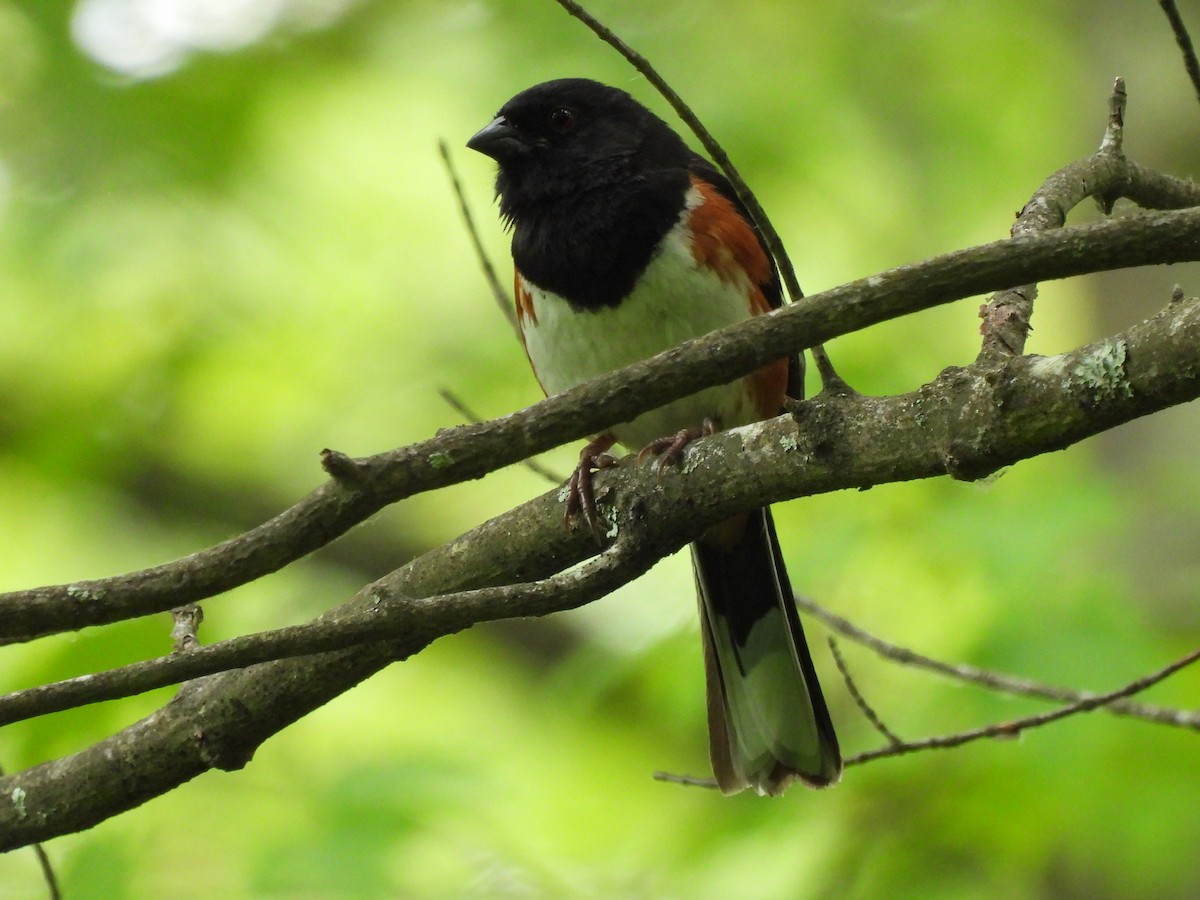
column 561, row 119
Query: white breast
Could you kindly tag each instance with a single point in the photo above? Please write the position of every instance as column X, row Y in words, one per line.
column 675, row 299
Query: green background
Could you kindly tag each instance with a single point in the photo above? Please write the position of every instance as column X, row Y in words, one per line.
column 227, row 241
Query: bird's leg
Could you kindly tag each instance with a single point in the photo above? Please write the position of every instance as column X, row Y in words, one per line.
column 580, row 499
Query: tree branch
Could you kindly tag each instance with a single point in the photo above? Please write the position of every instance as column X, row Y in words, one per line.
column 1001, row 730
column 1108, row 176
column 378, row 614
column 1013, row 728
column 219, row 721
column 471, row 451
column 503, row 300
column 996, row 681
column 967, row 423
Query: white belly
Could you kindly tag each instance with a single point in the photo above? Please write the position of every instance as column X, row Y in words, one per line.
column 676, row 299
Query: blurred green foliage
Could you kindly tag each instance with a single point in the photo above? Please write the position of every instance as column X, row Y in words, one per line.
column 214, row 267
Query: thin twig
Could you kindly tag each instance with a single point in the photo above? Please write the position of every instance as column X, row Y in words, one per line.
column 999, row 730
column 1107, row 176
column 387, row 617
column 47, row 868
column 1014, row 727
column 54, row 892
column 489, row 273
column 758, row 214
column 468, row 414
column 235, row 714
column 715, row 150
column 995, row 681
column 1185, row 42
column 865, row 708
column 685, row 780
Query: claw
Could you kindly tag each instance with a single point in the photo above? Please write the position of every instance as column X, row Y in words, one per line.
column 668, row 450
column 581, row 500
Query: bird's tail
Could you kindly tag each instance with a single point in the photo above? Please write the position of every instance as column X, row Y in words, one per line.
column 768, row 723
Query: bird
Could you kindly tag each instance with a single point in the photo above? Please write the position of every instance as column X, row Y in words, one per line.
column 626, row 243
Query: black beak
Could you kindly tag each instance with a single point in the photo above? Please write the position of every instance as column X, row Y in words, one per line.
column 499, row 140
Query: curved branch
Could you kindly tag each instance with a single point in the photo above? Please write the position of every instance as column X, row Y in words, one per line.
column 470, row 451
column 378, row 613
column 1001, row 730
column 1108, row 176
column 967, row 423
column 758, row 214
column 711, row 145
column 996, row 681
column 503, row 300
column 219, row 721
column 1013, row 728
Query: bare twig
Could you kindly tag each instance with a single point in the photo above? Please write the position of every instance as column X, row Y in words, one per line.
column 489, row 273
column 39, row 851
column 995, row 681
column 999, row 730
column 186, row 621
column 1185, row 42
column 388, row 616
column 53, row 891
column 1013, row 728
column 685, row 780
column 955, row 424
column 758, row 214
column 1006, row 316
column 938, row 427
column 865, row 708
column 711, row 145
column 1108, row 176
